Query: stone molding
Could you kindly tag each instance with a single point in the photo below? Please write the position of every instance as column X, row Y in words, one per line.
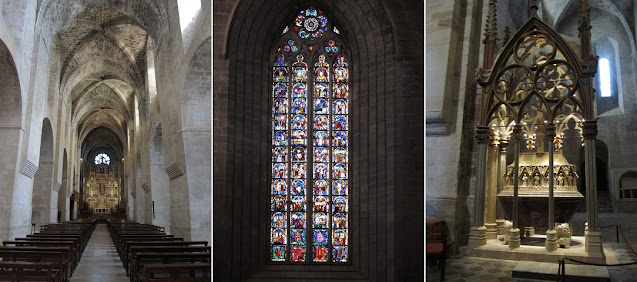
column 57, row 186
column 175, row 170
column 28, row 169
column 146, row 188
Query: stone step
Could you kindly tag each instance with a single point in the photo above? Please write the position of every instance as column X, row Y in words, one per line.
column 548, row 271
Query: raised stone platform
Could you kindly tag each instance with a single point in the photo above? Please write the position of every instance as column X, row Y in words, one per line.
column 532, row 249
column 548, row 271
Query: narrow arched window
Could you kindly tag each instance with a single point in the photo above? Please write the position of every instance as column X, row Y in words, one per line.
column 604, row 77
column 309, row 186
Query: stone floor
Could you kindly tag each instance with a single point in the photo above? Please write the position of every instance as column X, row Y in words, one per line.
column 100, row 262
column 464, row 268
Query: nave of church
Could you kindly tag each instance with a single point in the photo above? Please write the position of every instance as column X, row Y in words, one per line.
column 105, row 114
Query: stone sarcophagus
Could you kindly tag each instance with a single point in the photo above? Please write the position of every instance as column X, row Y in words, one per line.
column 533, row 190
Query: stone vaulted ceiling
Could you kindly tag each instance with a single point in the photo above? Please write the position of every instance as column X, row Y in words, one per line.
column 100, row 58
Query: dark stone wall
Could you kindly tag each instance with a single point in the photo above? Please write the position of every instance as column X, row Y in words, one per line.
column 385, row 39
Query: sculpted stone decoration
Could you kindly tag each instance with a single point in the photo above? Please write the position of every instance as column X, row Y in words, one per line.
column 564, row 234
column 535, row 177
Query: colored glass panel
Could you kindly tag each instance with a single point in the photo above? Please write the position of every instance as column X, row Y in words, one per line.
column 279, row 187
column 298, row 187
column 280, row 90
column 310, row 189
column 321, row 122
column 279, row 220
column 278, row 203
column 321, row 138
column 320, row 254
column 299, row 154
column 321, row 187
column 340, row 187
column 278, row 253
column 321, row 155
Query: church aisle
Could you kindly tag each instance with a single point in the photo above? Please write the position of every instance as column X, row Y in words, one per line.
column 100, row 262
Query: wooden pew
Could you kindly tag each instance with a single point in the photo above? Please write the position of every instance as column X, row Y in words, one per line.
column 30, row 271
column 143, row 258
column 73, row 254
column 175, row 272
column 130, row 245
column 162, row 249
column 39, row 256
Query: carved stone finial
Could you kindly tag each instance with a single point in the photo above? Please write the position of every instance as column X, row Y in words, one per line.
column 533, row 8
column 483, row 134
column 507, row 35
column 584, row 16
column 491, row 28
column 590, row 129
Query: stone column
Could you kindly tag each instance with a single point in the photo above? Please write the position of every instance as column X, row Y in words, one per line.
column 514, row 233
column 593, row 238
column 551, row 235
column 477, row 235
column 502, row 168
column 491, row 190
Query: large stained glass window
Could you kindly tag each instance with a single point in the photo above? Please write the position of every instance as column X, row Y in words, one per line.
column 309, row 187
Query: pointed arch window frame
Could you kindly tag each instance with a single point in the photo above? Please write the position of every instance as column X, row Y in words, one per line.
column 311, row 50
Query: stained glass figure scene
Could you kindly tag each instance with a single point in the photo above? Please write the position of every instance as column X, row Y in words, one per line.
column 309, row 190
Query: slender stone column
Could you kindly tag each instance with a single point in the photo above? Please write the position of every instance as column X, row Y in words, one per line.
column 502, row 163
column 477, row 235
column 514, row 233
column 551, row 235
column 593, row 244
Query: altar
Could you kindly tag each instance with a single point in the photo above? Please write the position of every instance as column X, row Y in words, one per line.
column 101, row 191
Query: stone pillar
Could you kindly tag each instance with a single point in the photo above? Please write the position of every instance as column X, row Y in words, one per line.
column 514, row 233
column 502, row 168
column 491, row 190
column 477, row 235
column 593, row 238
column 551, row 235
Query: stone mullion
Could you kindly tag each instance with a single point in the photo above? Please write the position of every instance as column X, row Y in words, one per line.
column 288, row 163
column 330, row 163
column 309, row 185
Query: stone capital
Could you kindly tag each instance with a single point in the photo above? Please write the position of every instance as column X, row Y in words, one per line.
column 590, row 129
column 550, row 131
column 483, row 134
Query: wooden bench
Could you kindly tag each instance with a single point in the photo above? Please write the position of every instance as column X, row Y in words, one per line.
column 124, row 242
column 38, row 256
column 30, row 271
column 143, row 258
column 162, row 249
column 72, row 253
column 175, row 272
column 137, row 245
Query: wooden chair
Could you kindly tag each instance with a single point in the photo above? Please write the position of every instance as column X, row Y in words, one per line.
column 437, row 244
